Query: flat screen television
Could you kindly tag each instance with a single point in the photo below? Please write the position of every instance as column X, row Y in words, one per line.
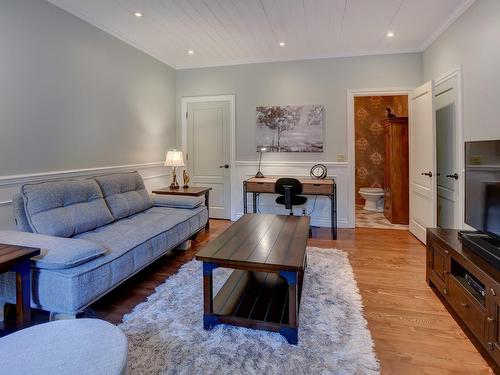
column 482, row 186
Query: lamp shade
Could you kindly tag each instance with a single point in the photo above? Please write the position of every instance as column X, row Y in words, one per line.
column 174, row 159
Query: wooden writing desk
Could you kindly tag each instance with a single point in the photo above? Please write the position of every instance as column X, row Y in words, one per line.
column 310, row 186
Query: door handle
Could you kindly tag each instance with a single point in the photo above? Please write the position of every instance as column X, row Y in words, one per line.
column 224, row 166
column 427, row 174
column 455, row 176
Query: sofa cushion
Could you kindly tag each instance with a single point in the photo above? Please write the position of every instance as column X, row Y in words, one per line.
column 55, row 252
column 65, row 208
column 177, row 201
column 125, row 193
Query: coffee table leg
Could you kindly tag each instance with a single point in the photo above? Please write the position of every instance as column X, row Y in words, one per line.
column 23, row 292
column 209, row 319
column 291, row 333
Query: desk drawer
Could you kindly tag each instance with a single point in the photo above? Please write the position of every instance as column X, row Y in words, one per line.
column 317, row 189
column 260, row 187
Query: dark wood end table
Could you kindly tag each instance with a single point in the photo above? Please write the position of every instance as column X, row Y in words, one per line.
column 192, row 191
column 18, row 259
column 268, row 255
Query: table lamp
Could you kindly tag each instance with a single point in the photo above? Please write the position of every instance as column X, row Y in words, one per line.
column 259, row 174
column 174, row 159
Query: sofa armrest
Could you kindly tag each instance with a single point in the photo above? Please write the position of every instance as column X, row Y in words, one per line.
column 177, row 201
column 55, row 252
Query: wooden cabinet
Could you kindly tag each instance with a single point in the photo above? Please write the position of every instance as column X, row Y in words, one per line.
column 450, row 268
column 396, row 193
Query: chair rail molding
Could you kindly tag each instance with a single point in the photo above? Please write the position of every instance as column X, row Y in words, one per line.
column 155, row 175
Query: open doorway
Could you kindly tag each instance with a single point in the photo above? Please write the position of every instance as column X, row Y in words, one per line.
column 381, row 161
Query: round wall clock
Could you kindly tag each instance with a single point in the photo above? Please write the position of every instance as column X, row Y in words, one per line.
column 318, row 171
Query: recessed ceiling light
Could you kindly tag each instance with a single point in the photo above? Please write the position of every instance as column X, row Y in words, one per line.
column 138, row 14
column 282, row 44
column 390, row 34
column 191, row 52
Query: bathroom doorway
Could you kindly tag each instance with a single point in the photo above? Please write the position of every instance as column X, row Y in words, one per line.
column 381, row 161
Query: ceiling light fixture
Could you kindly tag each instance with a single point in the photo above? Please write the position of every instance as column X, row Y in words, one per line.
column 138, row 14
column 191, row 52
column 390, row 34
column 282, row 44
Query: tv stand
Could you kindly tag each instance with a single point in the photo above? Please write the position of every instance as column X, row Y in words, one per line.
column 468, row 283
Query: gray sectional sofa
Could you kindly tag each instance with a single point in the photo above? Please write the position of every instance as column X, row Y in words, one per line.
column 94, row 234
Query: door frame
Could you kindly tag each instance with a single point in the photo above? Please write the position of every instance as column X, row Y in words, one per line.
column 351, row 137
column 185, row 100
column 459, row 138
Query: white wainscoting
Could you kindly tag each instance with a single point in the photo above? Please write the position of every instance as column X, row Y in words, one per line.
column 320, row 216
column 155, row 176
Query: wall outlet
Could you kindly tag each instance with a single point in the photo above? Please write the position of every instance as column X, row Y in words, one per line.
column 340, row 157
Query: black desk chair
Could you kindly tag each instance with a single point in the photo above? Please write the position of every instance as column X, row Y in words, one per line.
column 289, row 190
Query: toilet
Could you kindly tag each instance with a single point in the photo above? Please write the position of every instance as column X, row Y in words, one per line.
column 374, row 199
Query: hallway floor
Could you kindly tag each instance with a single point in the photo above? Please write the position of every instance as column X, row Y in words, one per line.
column 370, row 219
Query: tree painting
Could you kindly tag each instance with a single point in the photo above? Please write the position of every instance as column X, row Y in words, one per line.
column 290, row 128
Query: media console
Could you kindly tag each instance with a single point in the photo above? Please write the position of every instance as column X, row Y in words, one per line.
column 469, row 284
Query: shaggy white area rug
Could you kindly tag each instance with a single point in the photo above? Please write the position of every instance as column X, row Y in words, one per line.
column 166, row 333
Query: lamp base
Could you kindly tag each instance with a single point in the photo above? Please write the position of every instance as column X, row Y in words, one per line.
column 174, row 184
column 259, row 175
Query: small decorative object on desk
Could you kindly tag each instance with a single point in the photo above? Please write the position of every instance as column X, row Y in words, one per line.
column 319, row 171
column 174, row 159
column 185, row 178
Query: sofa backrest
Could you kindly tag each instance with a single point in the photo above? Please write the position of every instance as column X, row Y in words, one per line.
column 65, row 208
column 124, row 193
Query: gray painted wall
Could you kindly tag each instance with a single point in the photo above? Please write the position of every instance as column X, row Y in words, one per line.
column 323, row 81
column 474, row 42
column 72, row 96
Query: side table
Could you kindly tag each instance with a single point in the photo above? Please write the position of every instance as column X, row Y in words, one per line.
column 17, row 259
column 191, row 191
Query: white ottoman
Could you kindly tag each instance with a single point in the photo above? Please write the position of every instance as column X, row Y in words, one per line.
column 77, row 346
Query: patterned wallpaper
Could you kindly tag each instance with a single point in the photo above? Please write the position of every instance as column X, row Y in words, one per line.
column 369, row 131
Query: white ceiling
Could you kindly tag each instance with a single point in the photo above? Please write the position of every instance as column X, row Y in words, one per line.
column 226, row 32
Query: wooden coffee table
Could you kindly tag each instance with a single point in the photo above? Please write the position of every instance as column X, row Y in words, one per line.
column 268, row 254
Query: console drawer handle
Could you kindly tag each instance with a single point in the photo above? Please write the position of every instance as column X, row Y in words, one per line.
column 463, row 304
column 317, row 185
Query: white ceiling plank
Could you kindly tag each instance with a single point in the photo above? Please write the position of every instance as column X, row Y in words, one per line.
column 226, row 32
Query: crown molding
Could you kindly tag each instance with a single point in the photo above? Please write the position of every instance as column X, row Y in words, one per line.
column 440, row 31
column 340, row 55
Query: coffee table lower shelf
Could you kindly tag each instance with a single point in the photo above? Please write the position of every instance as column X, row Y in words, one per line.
column 258, row 300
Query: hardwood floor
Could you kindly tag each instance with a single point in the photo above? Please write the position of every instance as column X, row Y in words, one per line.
column 413, row 331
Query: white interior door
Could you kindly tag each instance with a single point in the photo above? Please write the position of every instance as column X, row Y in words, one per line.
column 448, row 173
column 208, row 152
column 422, row 161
